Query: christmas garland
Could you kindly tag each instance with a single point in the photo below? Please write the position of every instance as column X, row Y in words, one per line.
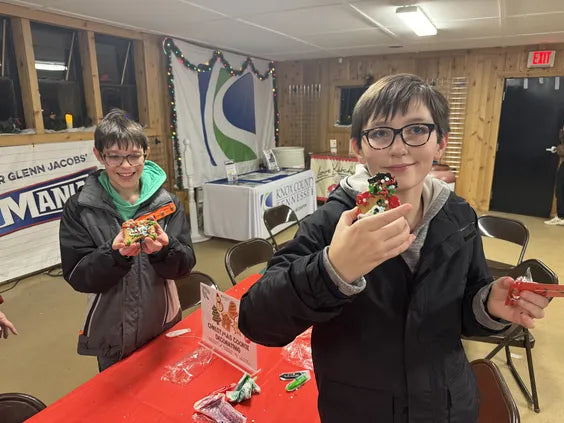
column 171, row 49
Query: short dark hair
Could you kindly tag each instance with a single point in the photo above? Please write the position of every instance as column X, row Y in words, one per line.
column 117, row 128
column 394, row 93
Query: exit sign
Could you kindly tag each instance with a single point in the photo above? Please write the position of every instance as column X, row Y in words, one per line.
column 541, row 59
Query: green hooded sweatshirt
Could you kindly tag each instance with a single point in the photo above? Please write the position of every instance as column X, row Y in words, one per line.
column 151, row 180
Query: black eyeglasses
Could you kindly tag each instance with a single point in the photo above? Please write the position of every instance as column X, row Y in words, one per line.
column 414, row 135
column 115, row 160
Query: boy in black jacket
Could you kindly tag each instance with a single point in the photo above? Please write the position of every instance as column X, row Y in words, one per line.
column 132, row 294
column 389, row 295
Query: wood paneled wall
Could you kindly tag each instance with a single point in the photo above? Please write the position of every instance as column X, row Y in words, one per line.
column 484, row 68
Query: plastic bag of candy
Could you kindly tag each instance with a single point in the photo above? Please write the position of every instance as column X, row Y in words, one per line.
column 298, row 352
column 189, row 367
column 217, row 409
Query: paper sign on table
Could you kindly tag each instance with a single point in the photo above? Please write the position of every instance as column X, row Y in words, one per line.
column 220, row 331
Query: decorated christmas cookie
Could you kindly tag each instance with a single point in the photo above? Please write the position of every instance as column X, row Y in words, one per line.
column 380, row 195
column 138, row 230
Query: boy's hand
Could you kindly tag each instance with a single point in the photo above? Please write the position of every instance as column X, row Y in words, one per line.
column 528, row 307
column 127, row 251
column 358, row 248
column 5, row 324
column 150, row 245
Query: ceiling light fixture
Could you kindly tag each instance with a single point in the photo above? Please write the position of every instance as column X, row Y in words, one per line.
column 50, row 66
column 416, row 20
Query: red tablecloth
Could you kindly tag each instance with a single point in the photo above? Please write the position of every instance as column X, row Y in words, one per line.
column 131, row 390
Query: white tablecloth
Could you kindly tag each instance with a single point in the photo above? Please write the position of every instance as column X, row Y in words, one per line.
column 235, row 211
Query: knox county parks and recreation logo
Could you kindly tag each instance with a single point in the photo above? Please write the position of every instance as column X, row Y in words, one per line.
column 38, row 203
column 294, row 194
column 231, row 104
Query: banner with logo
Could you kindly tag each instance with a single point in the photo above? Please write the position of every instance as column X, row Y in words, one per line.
column 220, row 330
column 220, row 117
column 35, row 182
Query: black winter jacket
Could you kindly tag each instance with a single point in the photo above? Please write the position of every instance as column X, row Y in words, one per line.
column 391, row 353
column 131, row 300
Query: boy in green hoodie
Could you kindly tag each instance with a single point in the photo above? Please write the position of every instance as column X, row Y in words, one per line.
column 132, row 295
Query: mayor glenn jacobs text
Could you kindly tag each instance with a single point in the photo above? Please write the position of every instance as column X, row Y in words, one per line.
column 27, row 172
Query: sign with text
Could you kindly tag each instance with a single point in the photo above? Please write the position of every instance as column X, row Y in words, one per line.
column 220, row 331
column 541, row 59
column 329, row 170
column 296, row 191
column 35, row 182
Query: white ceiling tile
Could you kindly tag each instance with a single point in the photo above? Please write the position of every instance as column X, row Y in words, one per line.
column 383, row 14
column 232, row 34
column 524, row 7
column 437, row 11
column 311, row 21
column 533, row 24
column 252, row 7
column 140, row 14
column 370, row 36
column 448, row 10
column 469, row 29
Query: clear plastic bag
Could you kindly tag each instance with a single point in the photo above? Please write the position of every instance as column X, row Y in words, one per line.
column 216, row 408
column 189, row 367
column 298, row 352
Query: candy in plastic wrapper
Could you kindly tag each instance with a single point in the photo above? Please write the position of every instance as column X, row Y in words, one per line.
column 291, row 375
column 200, row 418
column 216, row 408
column 298, row 352
column 189, row 367
column 244, row 389
column 298, row 382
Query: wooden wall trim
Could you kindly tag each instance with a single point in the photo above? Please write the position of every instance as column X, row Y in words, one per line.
column 141, row 82
column 53, row 137
column 25, row 58
column 54, row 18
column 90, row 76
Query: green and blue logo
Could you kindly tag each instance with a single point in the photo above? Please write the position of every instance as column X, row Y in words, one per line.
column 233, row 105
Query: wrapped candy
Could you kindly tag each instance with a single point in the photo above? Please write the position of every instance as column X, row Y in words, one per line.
column 244, row 389
column 216, row 408
column 298, row 352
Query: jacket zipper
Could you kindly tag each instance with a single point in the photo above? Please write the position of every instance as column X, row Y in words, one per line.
column 165, row 285
column 90, row 315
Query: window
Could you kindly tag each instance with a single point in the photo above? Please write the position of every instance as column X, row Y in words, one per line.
column 349, row 97
column 455, row 90
column 11, row 109
column 57, row 61
column 116, row 71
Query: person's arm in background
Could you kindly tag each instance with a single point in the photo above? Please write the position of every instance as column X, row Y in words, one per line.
column 6, row 326
column 87, row 267
column 171, row 254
